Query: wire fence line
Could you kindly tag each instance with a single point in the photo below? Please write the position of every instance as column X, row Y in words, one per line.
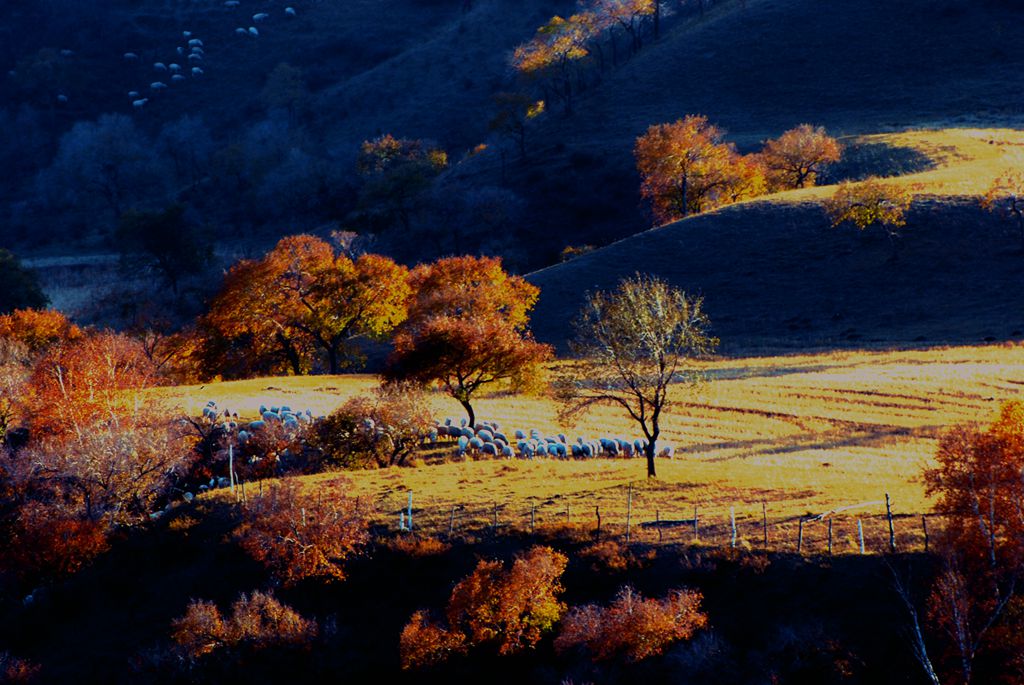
column 857, row 528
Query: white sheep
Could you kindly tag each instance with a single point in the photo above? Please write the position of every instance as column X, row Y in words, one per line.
column 62, row 99
column 195, row 42
column 133, row 94
column 159, row 66
column 260, row 17
column 181, row 50
column 157, row 85
column 67, row 53
column 241, row 32
column 177, row 78
column 131, row 57
column 253, row 31
column 290, row 11
column 232, row 3
column 195, row 58
column 198, row 51
column 186, row 34
column 196, row 71
column 174, row 68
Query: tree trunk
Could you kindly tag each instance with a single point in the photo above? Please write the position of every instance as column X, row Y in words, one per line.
column 649, row 452
column 332, row 358
column 469, row 410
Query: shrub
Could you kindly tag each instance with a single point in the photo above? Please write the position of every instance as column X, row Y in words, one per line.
column 15, row 670
column 299, row 536
column 509, row 608
column 49, row 542
column 632, row 627
column 257, row 621
column 383, row 430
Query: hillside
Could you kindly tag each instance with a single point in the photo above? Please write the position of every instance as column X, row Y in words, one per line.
column 774, row 274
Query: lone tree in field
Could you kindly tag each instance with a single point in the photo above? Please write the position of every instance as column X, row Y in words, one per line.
column 467, row 328
column 871, row 203
column 686, row 168
column 794, row 159
column 633, row 346
column 1006, row 197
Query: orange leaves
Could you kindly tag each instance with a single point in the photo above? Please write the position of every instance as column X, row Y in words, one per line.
column 299, row 536
column 37, row 329
column 509, row 608
column 257, row 621
column 302, row 305
column 47, row 541
column 794, row 159
column 868, row 203
column 686, row 168
column 633, row 627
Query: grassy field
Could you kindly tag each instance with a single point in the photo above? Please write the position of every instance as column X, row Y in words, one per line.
column 805, row 434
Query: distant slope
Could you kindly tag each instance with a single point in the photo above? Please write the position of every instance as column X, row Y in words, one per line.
column 774, row 273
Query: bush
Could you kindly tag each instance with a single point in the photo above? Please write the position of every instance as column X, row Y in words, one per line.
column 258, row 621
column 509, row 608
column 299, row 536
column 383, row 430
column 632, row 627
column 49, row 542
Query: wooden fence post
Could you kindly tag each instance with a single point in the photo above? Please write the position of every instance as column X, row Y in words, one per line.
column 629, row 510
column 409, row 516
column 657, row 520
column 597, row 512
column 830, row 536
column 764, row 518
column 696, row 530
column 892, row 531
column 800, row 537
column 860, row 534
column 924, row 524
column 732, row 521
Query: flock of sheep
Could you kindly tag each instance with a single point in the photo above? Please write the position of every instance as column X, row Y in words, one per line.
column 487, row 438
column 189, row 59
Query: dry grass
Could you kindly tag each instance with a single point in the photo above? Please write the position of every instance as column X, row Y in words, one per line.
column 805, row 433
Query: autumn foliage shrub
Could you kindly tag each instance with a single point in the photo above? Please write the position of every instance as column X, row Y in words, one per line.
column 509, row 609
column 298, row 536
column 38, row 329
column 47, row 541
column 257, row 621
column 632, row 627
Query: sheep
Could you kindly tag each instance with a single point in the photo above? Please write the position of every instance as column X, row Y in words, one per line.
column 130, row 57
column 485, row 435
column 476, row 443
column 188, row 496
column 180, row 50
column 290, row 11
column 271, row 417
column 561, row 438
column 489, row 448
column 243, row 436
column 197, row 51
column 195, row 42
column 667, row 451
column 133, row 94
column 260, row 16
column 257, row 425
column 448, row 421
column 186, row 34
column 501, row 437
column 240, row 31
column 520, row 435
column 174, row 68
column 232, row 3
column 177, row 78
column 577, row 451
column 195, row 58
column 159, row 66
column 157, row 85
column 67, row 53
column 223, row 482
column 253, row 32
column 468, row 432
column 62, row 99
column 463, row 443
column 263, row 408
column 542, row 450
column 463, row 423
column 507, row 451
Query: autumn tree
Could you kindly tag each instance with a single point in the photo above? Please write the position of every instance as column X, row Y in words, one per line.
column 302, row 298
column 297, row 536
column 686, row 168
column 632, row 627
column 15, row 370
column 871, row 203
column 37, row 329
column 515, row 112
column 397, row 174
column 509, row 608
column 381, row 430
column 467, row 329
column 629, row 15
column 1006, row 197
column 19, row 286
column 794, row 159
column 163, row 243
column 556, row 53
column 634, row 347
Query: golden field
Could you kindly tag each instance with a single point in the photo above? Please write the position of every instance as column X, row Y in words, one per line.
column 801, row 435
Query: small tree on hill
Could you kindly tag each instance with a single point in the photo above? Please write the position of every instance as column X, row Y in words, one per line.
column 795, row 158
column 1006, row 197
column 162, row 242
column 633, row 346
column 686, row 168
column 870, row 203
column 467, row 328
column 515, row 111
column 556, row 52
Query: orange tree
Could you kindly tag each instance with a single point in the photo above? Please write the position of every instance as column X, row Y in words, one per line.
column 556, row 52
column 37, row 329
column 794, row 159
column 687, row 168
column 467, row 328
column 871, row 203
column 302, row 302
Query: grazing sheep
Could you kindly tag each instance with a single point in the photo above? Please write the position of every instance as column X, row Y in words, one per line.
column 485, row 435
column 180, row 50
column 223, row 482
column 131, row 57
column 174, row 68
column 463, row 443
column 489, row 448
column 260, row 17
column 290, row 11
column 195, row 43
column 159, row 66
column 195, row 58
column 188, row 496
column 542, row 450
column 157, row 85
column 232, row 3
column 133, row 94
column 186, row 34
column 520, row 435
column 197, row 51
column 177, row 78
column 240, row 31
column 67, row 53
column 507, row 451
column 253, row 32
column 577, row 451
column 667, row 451
column 62, row 99
column 257, row 425
column 476, row 443
column 586, row 450
column 468, row 432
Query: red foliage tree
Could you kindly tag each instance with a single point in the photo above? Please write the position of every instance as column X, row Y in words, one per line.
column 794, row 159
column 38, row 329
column 300, row 536
column 633, row 627
column 467, row 328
